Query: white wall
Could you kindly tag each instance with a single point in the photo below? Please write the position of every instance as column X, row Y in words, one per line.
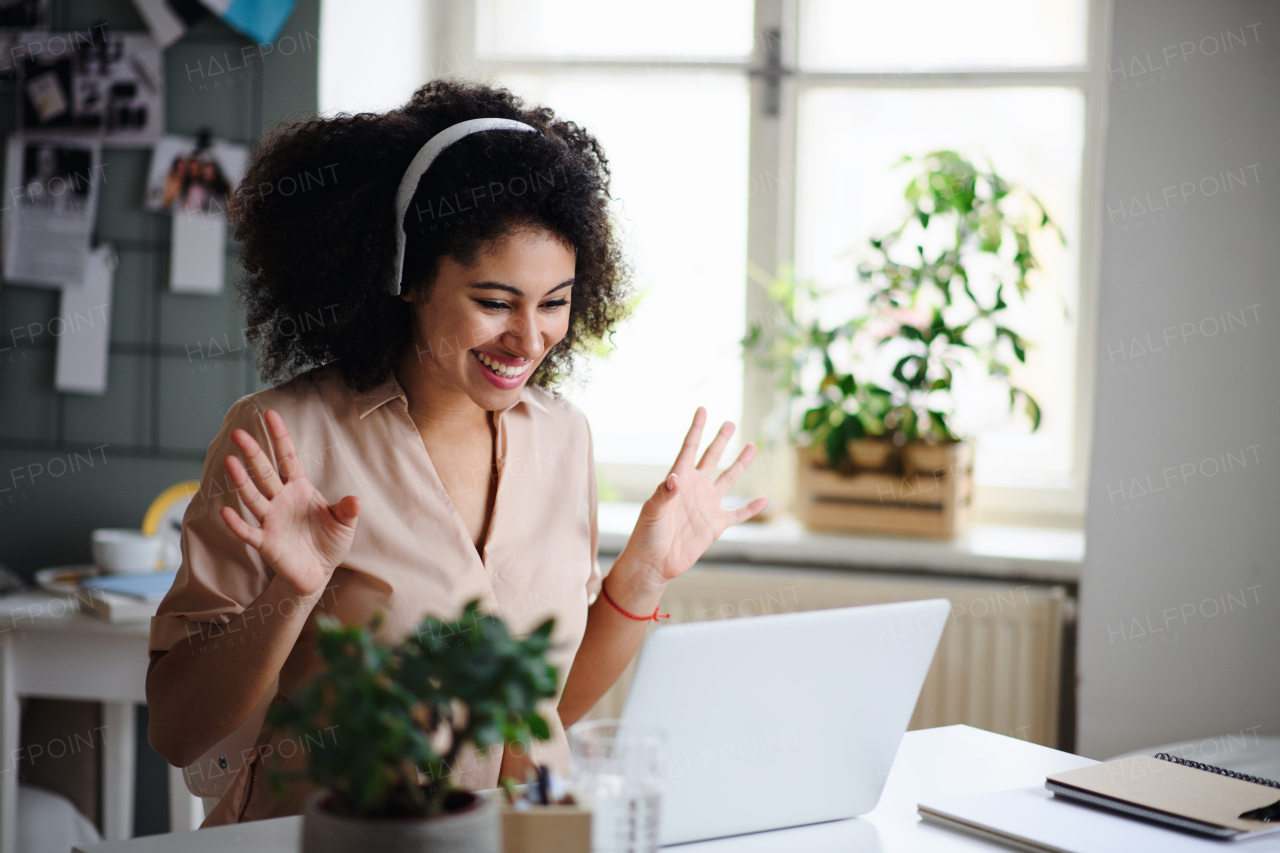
column 1180, row 619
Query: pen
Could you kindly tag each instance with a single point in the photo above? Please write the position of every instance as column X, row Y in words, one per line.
column 544, row 785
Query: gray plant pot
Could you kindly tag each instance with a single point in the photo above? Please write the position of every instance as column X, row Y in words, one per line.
column 475, row 829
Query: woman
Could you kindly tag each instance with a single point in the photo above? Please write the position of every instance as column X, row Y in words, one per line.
column 425, row 463
column 177, row 181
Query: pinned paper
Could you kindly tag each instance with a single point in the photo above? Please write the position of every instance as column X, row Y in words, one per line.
column 49, row 205
column 47, row 96
column 193, row 178
column 168, row 20
column 197, row 260
column 260, row 20
column 85, row 321
column 91, row 83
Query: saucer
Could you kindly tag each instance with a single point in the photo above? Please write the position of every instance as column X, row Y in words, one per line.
column 64, row 579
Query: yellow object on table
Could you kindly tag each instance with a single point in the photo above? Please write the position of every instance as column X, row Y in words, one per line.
column 171, row 502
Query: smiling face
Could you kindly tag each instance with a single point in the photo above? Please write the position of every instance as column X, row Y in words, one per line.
column 484, row 327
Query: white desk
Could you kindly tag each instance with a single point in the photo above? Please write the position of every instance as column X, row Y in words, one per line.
column 931, row 763
column 48, row 648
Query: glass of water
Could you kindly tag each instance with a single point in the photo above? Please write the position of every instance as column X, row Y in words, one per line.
column 617, row 773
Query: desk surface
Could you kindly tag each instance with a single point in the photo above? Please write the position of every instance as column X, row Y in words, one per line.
column 40, row 610
column 931, row 764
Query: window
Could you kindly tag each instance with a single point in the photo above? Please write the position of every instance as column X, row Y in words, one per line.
column 783, row 118
column 653, row 94
column 690, row 312
column 848, row 189
column 349, row 82
column 941, row 35
column 1006, row 80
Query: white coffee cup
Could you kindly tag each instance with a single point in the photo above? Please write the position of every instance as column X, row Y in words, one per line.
column 120, row 550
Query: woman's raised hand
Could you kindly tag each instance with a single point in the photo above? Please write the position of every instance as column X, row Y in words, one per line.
column 300, row 535
column 683, row 517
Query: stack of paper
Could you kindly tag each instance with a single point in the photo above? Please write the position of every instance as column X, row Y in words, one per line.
column 126, row 598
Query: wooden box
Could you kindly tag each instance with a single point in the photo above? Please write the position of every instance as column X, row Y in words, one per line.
column 546, row 829
column 931, row 497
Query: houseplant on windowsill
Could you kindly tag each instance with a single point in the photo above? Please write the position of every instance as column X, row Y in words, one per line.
column 400, row 715
column 871, row 400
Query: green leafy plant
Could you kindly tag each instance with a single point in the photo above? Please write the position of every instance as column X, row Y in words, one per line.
column 400, row 714
column 934, row 290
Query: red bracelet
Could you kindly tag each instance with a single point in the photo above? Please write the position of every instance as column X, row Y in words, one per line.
column 654, row 618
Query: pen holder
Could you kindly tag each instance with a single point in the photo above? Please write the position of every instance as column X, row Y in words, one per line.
column 546, row 829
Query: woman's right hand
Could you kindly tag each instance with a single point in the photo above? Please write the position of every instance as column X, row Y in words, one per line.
column 300, row 535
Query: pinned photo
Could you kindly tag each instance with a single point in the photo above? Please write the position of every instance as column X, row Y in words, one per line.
column 194, row 174
column 197, row 182
column 91, row 83
column 51, row 195
column 56, row 177
column 194, row 178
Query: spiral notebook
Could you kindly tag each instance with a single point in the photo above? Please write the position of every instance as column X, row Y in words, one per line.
column 1034, row 819
column 1177, row 793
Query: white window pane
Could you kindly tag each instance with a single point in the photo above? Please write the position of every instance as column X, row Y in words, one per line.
column 567, row 29
column 874, row 35
column 349, row 81
column 677, row 145
column 848, row 190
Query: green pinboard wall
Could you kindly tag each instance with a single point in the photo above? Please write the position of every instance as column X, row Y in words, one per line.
column 169, row 385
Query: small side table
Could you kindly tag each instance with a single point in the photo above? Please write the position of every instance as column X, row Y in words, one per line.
column 50, row 649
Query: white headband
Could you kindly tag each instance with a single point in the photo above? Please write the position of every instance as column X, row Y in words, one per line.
column 418, row 166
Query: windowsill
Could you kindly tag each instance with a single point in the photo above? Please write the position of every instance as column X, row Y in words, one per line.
column 984, row 550
column 1043, row 502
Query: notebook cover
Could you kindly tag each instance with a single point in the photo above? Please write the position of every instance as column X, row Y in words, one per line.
column 1163, row 786
column 1034, row 819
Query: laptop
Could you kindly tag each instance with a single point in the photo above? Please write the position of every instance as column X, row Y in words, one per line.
column 781, row 720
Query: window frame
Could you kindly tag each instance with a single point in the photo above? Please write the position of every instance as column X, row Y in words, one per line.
column 771, row 216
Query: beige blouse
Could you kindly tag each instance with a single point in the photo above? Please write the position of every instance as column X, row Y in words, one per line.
column 412, row 554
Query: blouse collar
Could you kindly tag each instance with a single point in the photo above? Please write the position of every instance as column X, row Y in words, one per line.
column 389, row 390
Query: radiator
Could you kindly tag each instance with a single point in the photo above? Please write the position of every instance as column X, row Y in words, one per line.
column 998, row 665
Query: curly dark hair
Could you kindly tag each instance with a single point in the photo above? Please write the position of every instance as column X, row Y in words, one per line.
column 314, row 217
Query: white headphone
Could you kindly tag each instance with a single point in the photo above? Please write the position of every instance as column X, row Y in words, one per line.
column 419, row 165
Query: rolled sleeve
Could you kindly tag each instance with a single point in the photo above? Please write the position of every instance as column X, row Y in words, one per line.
column 220, row 575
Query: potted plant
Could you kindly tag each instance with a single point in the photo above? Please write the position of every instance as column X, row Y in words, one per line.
column 399, row 717
column 870, row 396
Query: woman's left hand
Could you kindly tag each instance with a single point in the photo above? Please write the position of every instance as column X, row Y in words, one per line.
column 683, row 517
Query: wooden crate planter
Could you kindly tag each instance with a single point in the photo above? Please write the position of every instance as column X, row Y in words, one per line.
column 930, row 497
